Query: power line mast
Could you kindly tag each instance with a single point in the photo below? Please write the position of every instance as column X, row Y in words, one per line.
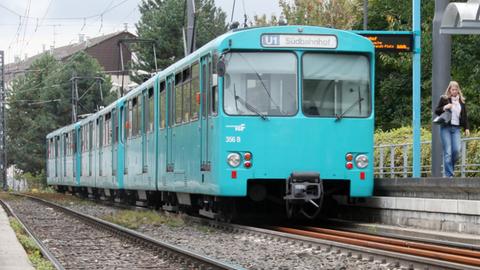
column 3, row 150
column 189, row 34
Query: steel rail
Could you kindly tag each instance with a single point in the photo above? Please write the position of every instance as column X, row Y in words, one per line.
column 398, row 242
column 43, row 249
column 351, row 238
column 397, row 259
column 188, row 257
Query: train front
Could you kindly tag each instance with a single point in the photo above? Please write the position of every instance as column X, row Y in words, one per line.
column 298, row 122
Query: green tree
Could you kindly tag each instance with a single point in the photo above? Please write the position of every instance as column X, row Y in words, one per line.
column 162, row 21
column 40, row 102
column 340, row 14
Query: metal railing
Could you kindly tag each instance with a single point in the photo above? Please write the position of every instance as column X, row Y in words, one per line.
column 395, row 160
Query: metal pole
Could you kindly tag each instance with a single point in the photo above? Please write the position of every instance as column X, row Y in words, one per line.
column 441, row 66
column 123, row 71
column 155, row 57
column 73, row 101
column 191, row 26
column 416, row 87
column 365, row 14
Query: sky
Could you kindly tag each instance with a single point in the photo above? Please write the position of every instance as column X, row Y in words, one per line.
column 27, row 27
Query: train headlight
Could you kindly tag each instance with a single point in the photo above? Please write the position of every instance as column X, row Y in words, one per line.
column 233, row 159
column 361, row 161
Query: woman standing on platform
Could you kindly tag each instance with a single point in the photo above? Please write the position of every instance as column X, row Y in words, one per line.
column 454, row 101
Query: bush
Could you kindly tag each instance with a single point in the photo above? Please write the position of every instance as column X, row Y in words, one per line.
column 400, row 140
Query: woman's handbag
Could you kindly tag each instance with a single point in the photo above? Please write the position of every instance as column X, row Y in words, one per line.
column 443, row 118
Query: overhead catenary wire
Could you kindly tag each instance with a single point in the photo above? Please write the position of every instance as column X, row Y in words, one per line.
column 67, row 18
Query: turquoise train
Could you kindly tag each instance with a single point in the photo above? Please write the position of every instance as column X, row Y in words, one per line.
column 278, row 116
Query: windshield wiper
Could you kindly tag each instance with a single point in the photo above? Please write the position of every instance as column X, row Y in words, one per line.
column 340, row 116
column 262, row 83
column 250, row 107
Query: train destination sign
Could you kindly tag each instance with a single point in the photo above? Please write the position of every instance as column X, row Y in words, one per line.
column 391, row 42
column 299, row 41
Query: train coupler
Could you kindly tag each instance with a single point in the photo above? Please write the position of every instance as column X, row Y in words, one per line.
column 303, row 187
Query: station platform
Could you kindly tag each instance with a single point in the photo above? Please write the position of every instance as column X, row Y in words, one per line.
column 12, row 254
column 448, row 208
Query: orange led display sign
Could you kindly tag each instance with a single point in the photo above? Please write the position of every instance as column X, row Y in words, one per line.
column 391, row 42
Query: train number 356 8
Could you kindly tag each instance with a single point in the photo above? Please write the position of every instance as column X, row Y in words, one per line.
column 233, row 139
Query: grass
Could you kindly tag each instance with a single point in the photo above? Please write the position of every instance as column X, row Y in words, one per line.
column 134, row 219
column 33, row 252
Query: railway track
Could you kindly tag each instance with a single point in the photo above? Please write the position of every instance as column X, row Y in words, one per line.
column 447, row 256
column 397, row 253
column 85, row 239
column 381, row 252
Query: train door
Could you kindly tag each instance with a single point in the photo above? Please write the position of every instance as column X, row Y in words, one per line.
column 114, row 125
column 162, row 141
column 120, row 138
column 100, row 145
column 127, row 128
column 143, row 131
column 56, row 156
column 170, row 122
column 64, row 159
column 90, row 148
column 205, row 70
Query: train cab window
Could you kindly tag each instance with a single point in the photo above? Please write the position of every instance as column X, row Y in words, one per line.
column 178, row 98
column 336, row 85
column 186, row 95
column 150, row 110
column 260, row 84
column 163, row 112
column 195, row 91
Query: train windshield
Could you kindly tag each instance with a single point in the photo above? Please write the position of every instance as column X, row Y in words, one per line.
column 260, row 84
column 336, row 85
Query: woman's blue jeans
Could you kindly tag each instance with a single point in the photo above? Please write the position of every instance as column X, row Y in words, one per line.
column 450, row 136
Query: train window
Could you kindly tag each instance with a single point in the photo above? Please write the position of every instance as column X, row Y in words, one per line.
column 170, row 105
column 114, row 121
column 74, row 138
column 81, row 138
column 138, row 115
column 162, row 104
column 128, row 122
column 100, row 132
column 151, row 111
column 260, row 83
column 134, row 118
column 204, row 87
column 336, row 85
column 186, row 95
column 178, row 98
column 108, row 129
column 90, row 136
column 213, row 95
column 195, row 91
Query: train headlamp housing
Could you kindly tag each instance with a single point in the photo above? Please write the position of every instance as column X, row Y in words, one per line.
column 361, row 161
column 233, row 159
